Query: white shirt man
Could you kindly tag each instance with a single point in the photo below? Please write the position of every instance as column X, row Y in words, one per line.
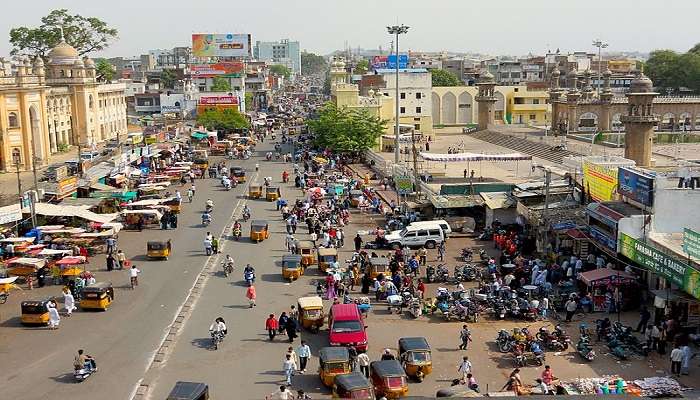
column 217, row 326
column 134, row 272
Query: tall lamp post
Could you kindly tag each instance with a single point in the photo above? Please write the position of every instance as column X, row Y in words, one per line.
column 397, row 30
column 600, row 45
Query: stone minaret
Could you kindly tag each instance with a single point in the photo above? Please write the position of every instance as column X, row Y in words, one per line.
column 606, row 97
column 639, row 121
column 486, row 100
column 555, row 98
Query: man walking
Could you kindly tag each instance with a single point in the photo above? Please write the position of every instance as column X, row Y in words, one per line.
column 465, row 336
column 271, row 326
column 304, row 352
column 289, row 366
column 441, row 251
column 676, row 359
column 363, row 362
column 644, row 316
column 465, row 367
column 570, row 306
column 358, row 243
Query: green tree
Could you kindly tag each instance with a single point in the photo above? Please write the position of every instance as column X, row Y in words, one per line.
column 85, row 34
column 312, row 64
column 248, row 101
column 444, row 78
column 280, row 70
column 220, row 84
column 664, row 69
column 222, row 120
column 346, row 130
column 361, row 67
column 104, row 70
column 168, row 78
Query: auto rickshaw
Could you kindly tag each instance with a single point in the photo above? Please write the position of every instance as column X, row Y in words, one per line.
column 159, row 249
column 291, row 267
column 311, row 314
column 352, row 386
column 388, row 378
column 355, row 197
column 238, row 173
column 326, row 258
column 378, row 265
column 254, row 191
column 272, row 193
column 35, row 312
column 258, row 230
column 98, row 296
column 414, row 353
column 305, row 248
column 189, row 391
column 333, row 361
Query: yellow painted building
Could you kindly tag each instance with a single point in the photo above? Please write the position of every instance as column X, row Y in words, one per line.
column 44, row 108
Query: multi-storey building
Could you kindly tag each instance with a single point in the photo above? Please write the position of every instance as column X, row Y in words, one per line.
column 284, row 52
column 415, row 87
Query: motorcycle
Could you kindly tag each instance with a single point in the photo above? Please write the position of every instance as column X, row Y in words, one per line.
column 227, row 267
column 458, row 274
column 468, row 272
column 499, row 310
column 553, row 341
column 246, row 216
column 237, row 234
column 81, row 374
column 584, row 348
column 483, row 255
column 414, row 308
column 467, row 255
column 442, row 274
column 216, row 338
column 504, row 341
column 206, row 222
column 430, row 274
column 617, row 349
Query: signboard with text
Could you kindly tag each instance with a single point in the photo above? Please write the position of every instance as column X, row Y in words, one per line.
column 600, row 181
column 213, row 100
column 222, row 70
column 10, row 213
column 691, row 243
column 391, row 61
column 221, row 45
column 636, row 185
column 677, row 272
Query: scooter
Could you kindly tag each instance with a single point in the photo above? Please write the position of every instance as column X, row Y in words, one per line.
column 584, row 349
column 237, row 234
column 216, row 338
column 82, row 374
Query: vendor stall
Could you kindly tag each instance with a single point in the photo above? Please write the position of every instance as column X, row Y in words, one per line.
column 605, row 285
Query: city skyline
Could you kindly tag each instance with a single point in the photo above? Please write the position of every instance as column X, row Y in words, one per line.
column 514, row 28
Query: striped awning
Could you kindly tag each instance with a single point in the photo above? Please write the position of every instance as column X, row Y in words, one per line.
column 474, row 157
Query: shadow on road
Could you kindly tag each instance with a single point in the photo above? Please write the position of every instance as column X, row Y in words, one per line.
column 64, row 378
column 238, row 306
column 272, row 277
column 202, row 343
column 14, row 322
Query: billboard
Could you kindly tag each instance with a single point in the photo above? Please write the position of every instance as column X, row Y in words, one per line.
column 215, row 100
column 222, row 69
column 221, row 45
column 636, row 185
column 600, row 181
column 391, row 61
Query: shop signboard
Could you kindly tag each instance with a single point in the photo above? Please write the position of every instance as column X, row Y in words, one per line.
column 222, row 70
column 600, row 181
column 10, row 213
column 67, row 186
column 221, row 45
column 677, row 272
column 691, row 243
column 404, row 184
column 215, row 100
column 636, row 185
column 602, row 237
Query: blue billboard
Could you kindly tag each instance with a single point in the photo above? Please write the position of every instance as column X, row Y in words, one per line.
column 636, row 185
column 391, row 61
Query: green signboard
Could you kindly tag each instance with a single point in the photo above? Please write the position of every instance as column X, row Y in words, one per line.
column 691, row 243
column 677, row 272
column 404, row 184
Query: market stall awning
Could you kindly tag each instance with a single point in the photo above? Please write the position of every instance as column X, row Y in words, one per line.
column 474, row 157
column 53, row 210
column 604, row 273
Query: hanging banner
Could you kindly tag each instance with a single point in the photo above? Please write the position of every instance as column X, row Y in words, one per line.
column 600, row 181
column 677, row 272
column 691, row 243
column 404, row 184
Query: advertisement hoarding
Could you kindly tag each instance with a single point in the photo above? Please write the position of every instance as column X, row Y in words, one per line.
column 221, row 45
column 636, row 185
column 212, row 100
column 600, row 181
column 677, row 272
column 222, row 69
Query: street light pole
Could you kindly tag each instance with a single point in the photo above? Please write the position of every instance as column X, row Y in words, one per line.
column 397, row 30
column 600, row 45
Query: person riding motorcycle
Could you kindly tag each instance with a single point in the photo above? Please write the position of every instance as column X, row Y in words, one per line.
column 237, row 229
column 285, row 176
column 226, row 182
column 249, row 274
column 246, row 212
column 84, row 361
column 218, row 327
column 535, row 348
column 206, row 218
column 228, row 263
column 209, row 204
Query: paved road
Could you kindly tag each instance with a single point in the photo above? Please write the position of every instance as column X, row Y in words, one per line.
column 37, row 363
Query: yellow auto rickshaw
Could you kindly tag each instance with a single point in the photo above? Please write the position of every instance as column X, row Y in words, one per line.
column 291, row 267
column 378, row 265
column 254, row 191
column 352, row 386
column 333, row 361
column 305, row 248
column 311, row 314
column 415, row 356
column 259, row 230
column 238, row 173
column 35, row 312
column 98, row 296
column 159, row 249
column 272, row 193
column 326, row 258
column 388, row 379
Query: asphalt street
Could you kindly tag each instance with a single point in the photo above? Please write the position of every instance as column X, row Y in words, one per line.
column 37, row 362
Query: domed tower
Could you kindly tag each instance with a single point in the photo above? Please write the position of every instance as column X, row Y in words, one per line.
column 62, row 59
column 90, row 68
column 587, row 87
column 486, row 99
column 338, row 72
column 640, row 120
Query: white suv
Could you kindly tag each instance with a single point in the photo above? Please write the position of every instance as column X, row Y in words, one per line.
column 416, row 236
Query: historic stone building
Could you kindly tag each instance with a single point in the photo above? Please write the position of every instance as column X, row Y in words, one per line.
column 47, row 107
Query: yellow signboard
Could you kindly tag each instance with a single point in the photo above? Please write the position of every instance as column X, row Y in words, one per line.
column 600, row 181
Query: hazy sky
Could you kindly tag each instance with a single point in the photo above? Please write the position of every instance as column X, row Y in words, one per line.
column 515, row 27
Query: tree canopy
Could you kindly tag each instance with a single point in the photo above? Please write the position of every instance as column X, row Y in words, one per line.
column 222, row 120
column 220, row 84
column 280, row 70
column 343, row 129
column 444, row 78
column 167, row 79
column 670, row 70
column 85, row 34
column 361, row 67
column 104, row 71
column 312, row 64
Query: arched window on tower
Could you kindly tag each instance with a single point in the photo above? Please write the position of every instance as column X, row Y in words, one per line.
column 12, row 120
column 90, row 102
